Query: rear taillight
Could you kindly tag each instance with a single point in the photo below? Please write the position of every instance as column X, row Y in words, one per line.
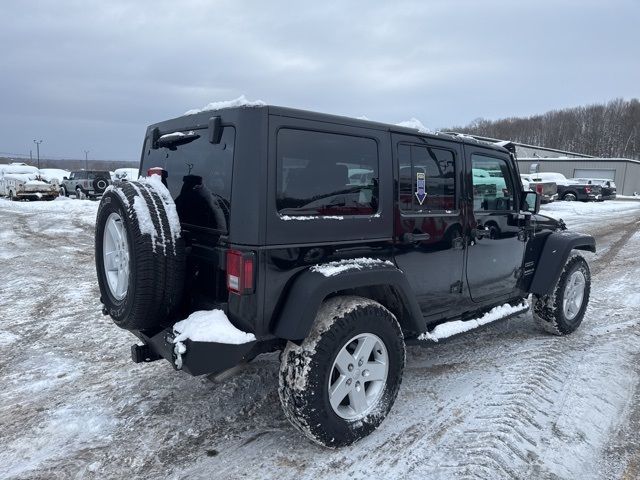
column 155, row 171
column 539, row 189
column 240, row 272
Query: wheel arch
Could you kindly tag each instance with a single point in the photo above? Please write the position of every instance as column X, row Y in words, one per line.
column 554, row 255
column 386, row 285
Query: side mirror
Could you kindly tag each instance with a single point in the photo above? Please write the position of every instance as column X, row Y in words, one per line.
column 65, row 178
column 530, row 202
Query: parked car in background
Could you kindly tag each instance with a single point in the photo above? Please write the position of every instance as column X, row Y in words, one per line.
column 526, row 186
column 125, row 174
column 571, row 190
column 20, row 181
column 609, row 191
column 57, row 174
column 548, row 190
column 86, row 183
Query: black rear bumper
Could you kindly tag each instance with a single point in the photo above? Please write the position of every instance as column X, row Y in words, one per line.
column 198, row 358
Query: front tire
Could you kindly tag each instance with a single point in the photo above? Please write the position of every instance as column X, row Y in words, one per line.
column 569, row 197
column 561, row 313
column 339, row 384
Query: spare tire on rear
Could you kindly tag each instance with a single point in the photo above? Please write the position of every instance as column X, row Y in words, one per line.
column 140, row 257
column 100, row 184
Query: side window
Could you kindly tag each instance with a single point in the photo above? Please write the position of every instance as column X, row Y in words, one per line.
column 80, row 176
column 72, row 176
column 492, row 185
column 326, row 174
column 426, row 178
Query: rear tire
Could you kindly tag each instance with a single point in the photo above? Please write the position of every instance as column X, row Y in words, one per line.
column 569, row 197
column 156, row 262
column 326, row 390
column 561, row 312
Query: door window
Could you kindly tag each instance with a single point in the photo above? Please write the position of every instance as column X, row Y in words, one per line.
column 492, row 184
column 426, row 179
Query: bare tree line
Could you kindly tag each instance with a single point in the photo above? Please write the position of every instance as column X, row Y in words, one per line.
column 609, row 130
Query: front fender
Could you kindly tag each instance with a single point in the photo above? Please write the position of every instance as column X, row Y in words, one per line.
column 553, row 257
column 310, row 288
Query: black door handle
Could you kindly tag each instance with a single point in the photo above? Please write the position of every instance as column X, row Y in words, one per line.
column 415, row 237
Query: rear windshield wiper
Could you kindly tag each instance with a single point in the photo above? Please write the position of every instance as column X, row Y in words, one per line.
column 174, row 139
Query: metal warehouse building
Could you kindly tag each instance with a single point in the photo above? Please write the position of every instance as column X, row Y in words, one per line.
column 625, row 172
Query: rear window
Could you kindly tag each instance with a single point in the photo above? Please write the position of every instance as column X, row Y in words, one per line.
column 199, row 177
column 94, row 175
column 326, row 174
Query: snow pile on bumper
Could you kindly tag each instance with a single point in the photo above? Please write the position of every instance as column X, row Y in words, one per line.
column 210, row 326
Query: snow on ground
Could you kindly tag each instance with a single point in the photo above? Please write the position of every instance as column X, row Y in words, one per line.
column 505, row 401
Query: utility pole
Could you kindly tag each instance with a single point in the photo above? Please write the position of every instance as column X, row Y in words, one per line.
column 38, row 142
column 31, row 156
column 86, row 159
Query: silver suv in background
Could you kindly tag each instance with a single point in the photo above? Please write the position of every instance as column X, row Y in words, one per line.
column 85, row 183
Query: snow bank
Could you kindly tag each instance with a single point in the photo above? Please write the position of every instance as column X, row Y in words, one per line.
column 579, row 209
column 210, row 326
column 415, row 124
column 449, row 329
column 334, row 268
column 241, row 101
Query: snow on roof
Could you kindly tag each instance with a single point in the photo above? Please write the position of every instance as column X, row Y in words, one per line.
column 17, row 168
column 210, row 326
column 415, row 124
column 241, row 101
column 50, row 173
column 334, row 268
column 20, row 177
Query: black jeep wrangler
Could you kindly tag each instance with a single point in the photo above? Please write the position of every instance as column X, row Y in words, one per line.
column 332, row 239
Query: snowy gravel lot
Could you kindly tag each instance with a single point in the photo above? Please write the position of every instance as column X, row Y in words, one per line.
column 505, row 401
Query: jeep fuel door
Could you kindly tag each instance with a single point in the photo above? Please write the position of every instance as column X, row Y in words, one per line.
column 428, row 222
column 496, row 246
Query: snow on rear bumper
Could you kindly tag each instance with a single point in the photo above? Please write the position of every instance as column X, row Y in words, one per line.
column 199, row 358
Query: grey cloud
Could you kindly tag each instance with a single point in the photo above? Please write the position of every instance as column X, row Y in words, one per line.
column 94, row 74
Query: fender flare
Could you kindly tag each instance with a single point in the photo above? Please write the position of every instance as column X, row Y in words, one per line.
column 553, row 257
column 311, row 288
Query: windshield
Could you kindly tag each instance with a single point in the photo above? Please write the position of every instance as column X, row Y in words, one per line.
column 198, row 175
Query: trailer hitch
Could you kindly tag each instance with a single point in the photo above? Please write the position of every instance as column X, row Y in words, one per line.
column 143, row 354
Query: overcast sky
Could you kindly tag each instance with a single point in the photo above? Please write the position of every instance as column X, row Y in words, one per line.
column 92, row 75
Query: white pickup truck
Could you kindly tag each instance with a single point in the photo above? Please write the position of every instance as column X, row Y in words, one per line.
column 20, row 181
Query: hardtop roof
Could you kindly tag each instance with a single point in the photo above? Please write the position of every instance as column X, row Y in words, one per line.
column 200, row 119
